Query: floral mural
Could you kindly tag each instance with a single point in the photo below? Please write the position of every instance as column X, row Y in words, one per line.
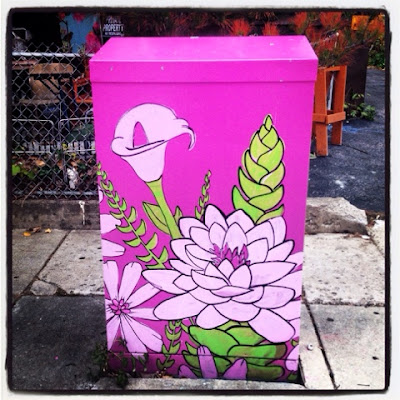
column 121, row 311
column 230, row 269
column 222, row 299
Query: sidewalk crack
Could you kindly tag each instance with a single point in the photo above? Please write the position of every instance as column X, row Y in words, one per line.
column 355, row 148
column 331, row 374
column 36, row 277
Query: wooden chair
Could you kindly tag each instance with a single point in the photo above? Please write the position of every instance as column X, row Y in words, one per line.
column 46, row 81
column 82, row 90
column 49, row 92
column 335, row 115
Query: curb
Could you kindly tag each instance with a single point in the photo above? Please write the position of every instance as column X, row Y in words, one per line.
column 323, row 215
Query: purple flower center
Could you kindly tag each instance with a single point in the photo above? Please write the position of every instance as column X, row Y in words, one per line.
column 119, row 306
column 235, row 257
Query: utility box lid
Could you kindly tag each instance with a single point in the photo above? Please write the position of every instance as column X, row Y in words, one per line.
column 205, row 59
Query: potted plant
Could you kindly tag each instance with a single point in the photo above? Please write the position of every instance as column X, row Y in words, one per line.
column 365, row 32
column 342, row 42
column 323, row 31
column 343, row 39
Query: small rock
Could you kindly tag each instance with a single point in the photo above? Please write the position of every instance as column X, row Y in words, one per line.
column 377, row 233
column 334, row 215
column 40, row 288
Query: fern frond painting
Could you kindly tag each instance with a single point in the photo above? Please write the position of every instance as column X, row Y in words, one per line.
column 202, row 189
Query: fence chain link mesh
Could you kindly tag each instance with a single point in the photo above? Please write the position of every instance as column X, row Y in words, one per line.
column 53, row 153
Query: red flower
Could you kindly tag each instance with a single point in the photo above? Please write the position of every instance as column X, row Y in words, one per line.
column 61, row 16
column 313, row 35
column 377, row 26
column 270, row 29
column 359, row 22
column 92, row 43
column 96, row 26
column 78, row 17
column 330, row 19
column 300, row 21
column 240, row 27
column 181, row 24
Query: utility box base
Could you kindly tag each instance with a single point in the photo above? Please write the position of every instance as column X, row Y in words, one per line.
column 203, row 145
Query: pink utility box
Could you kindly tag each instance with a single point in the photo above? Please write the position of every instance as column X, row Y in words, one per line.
column 203, row 146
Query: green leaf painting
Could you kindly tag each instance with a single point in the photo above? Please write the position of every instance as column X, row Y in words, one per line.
column 204, row 198
column 231, row 342
column 173, row 331
column 135, row 230
column 260, row 190
column 219, row 342
column 222, row 287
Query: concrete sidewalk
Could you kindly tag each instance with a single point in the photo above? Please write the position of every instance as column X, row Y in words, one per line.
column 58, row 310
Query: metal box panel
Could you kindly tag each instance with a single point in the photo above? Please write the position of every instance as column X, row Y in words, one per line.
column 203, row 183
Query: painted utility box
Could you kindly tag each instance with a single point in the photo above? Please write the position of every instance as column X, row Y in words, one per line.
column 203, row 145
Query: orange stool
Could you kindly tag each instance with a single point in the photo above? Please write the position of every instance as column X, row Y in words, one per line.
column 323, row 116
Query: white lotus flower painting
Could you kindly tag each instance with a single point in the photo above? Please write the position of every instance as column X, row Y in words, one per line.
column 230, row 269
column 207, row 294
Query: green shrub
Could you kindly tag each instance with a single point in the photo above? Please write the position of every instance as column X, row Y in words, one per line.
column 376, row 57
column 355, row 109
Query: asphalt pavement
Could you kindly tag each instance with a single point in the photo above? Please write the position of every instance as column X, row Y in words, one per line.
column 356, row 169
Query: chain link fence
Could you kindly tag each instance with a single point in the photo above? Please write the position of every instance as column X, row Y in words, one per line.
column 53, row 153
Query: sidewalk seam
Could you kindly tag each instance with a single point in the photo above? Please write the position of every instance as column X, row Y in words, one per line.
column 36, row 276
column 331, row 374
column 345, row 303
column 373, row 240
column 302, row 376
